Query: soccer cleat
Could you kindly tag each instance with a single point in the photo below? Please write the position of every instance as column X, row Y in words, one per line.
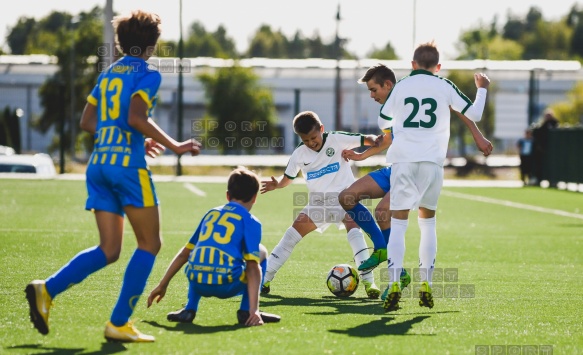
column 182, row 316
column 242, row 317
column 371, row 289
column 392, row 300
column 405, row 280
column 425, row 296
column 40, row 303
column 126, row 333
column 377, row 257
column 266, row 287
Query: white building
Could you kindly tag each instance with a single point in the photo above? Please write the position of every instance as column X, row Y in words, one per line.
column 305, row 84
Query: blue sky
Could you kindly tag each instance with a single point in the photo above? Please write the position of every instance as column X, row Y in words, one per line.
column 366, row 23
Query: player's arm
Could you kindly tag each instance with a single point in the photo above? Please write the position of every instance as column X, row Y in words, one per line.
column 177, row 263
column 279, row 183
column 89, row 118
column 253, row 283
column 474, row 111
column 382, row 142
column 484, row 145
column 138, row 119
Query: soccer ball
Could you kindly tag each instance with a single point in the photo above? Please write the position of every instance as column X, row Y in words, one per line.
column 342, row 280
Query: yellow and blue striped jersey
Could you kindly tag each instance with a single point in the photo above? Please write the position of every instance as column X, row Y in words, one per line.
column 226, row 237
column 117, row 143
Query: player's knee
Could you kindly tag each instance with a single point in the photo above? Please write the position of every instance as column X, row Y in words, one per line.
column 262, row 252
column 347, row 199
column 381, row 214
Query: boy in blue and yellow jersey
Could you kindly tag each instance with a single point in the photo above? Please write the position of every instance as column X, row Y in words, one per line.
column 118, row 180
column 224, row 256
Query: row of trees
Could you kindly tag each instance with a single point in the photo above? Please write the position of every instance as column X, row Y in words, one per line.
column 75, row 39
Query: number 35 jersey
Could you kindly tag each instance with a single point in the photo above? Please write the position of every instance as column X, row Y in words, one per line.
column 418, row 111
column 117, row 143
column 226, row 237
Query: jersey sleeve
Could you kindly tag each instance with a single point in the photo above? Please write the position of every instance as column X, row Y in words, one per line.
column 293, row 168
column 385, row 119
column 251, row 239
column 194, row 238
column 349, row 140
column 147, row 88
column 94, row 94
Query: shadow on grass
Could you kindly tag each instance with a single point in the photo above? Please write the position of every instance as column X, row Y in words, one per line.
column 106, row 348
column 189, row 328
column 382, row 326
column 45, row 350
column 342, row 305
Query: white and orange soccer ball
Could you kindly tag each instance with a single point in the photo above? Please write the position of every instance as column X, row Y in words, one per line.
column 342, row 280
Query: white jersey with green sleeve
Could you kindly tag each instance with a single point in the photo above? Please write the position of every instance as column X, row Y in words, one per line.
column 325, row 171
column 418, row 110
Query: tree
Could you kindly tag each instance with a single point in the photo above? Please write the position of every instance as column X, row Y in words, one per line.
column 388, row 52
column 240, row 112
column 18, row 35
column 57, row 35
column 268, row 44
column 570, row 111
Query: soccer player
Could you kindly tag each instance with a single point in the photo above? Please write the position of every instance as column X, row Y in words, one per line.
column 224, row 256
column 418, row 109
column 118, row 179
column 380, row 80
column 319, row 158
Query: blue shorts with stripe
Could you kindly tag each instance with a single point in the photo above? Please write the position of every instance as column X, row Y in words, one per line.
column 382, row 177
column 111, row 187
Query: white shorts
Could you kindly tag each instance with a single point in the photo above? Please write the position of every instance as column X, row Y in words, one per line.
column 324, row 212
column 415, row 185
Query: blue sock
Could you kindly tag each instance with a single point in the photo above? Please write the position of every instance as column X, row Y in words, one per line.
column 193, row 298
column 263, row 266
column 76, row 270
column 134, row 282
column 386, row 234
column 362, row 216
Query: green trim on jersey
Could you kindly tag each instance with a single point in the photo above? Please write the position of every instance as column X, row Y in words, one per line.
column 349, row 134
column 324, row 136
column 461, row 94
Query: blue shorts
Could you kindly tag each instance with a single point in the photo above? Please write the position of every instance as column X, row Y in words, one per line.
column 382, row 177
column 110, row 188
column 235, row 288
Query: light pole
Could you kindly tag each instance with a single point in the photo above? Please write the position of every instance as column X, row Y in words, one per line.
column 180, row 89
column 337, row 84
column 72, row 97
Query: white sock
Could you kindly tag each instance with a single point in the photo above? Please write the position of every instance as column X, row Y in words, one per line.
column 427, row 247
column 396, row 248
column 360, row 251
column 281, row 252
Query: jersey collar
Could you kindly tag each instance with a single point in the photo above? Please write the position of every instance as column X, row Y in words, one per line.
column 421, row 71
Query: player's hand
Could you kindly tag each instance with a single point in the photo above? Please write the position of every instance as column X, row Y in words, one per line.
column 192, row 145
column 254, row 319
column 153, row 148
column 484, row 145
column 349, row 154
column 268, row 185
column 156, row 295
column 482, row 80
column 379, row 140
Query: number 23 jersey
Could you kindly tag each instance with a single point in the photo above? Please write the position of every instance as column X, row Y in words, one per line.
column 418, row 110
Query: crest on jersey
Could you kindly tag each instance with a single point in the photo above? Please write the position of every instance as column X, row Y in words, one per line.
column 330, row 152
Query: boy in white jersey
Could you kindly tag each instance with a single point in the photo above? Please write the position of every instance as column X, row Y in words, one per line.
column 418, row 110
column 319, row 158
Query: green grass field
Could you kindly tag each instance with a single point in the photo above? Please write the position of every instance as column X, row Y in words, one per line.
column 517, row 256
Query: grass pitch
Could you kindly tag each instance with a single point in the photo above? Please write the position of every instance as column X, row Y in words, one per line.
column 515, row 255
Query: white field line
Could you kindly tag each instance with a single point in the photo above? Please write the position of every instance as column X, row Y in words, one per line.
column 512, row 204
column 195, row 190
